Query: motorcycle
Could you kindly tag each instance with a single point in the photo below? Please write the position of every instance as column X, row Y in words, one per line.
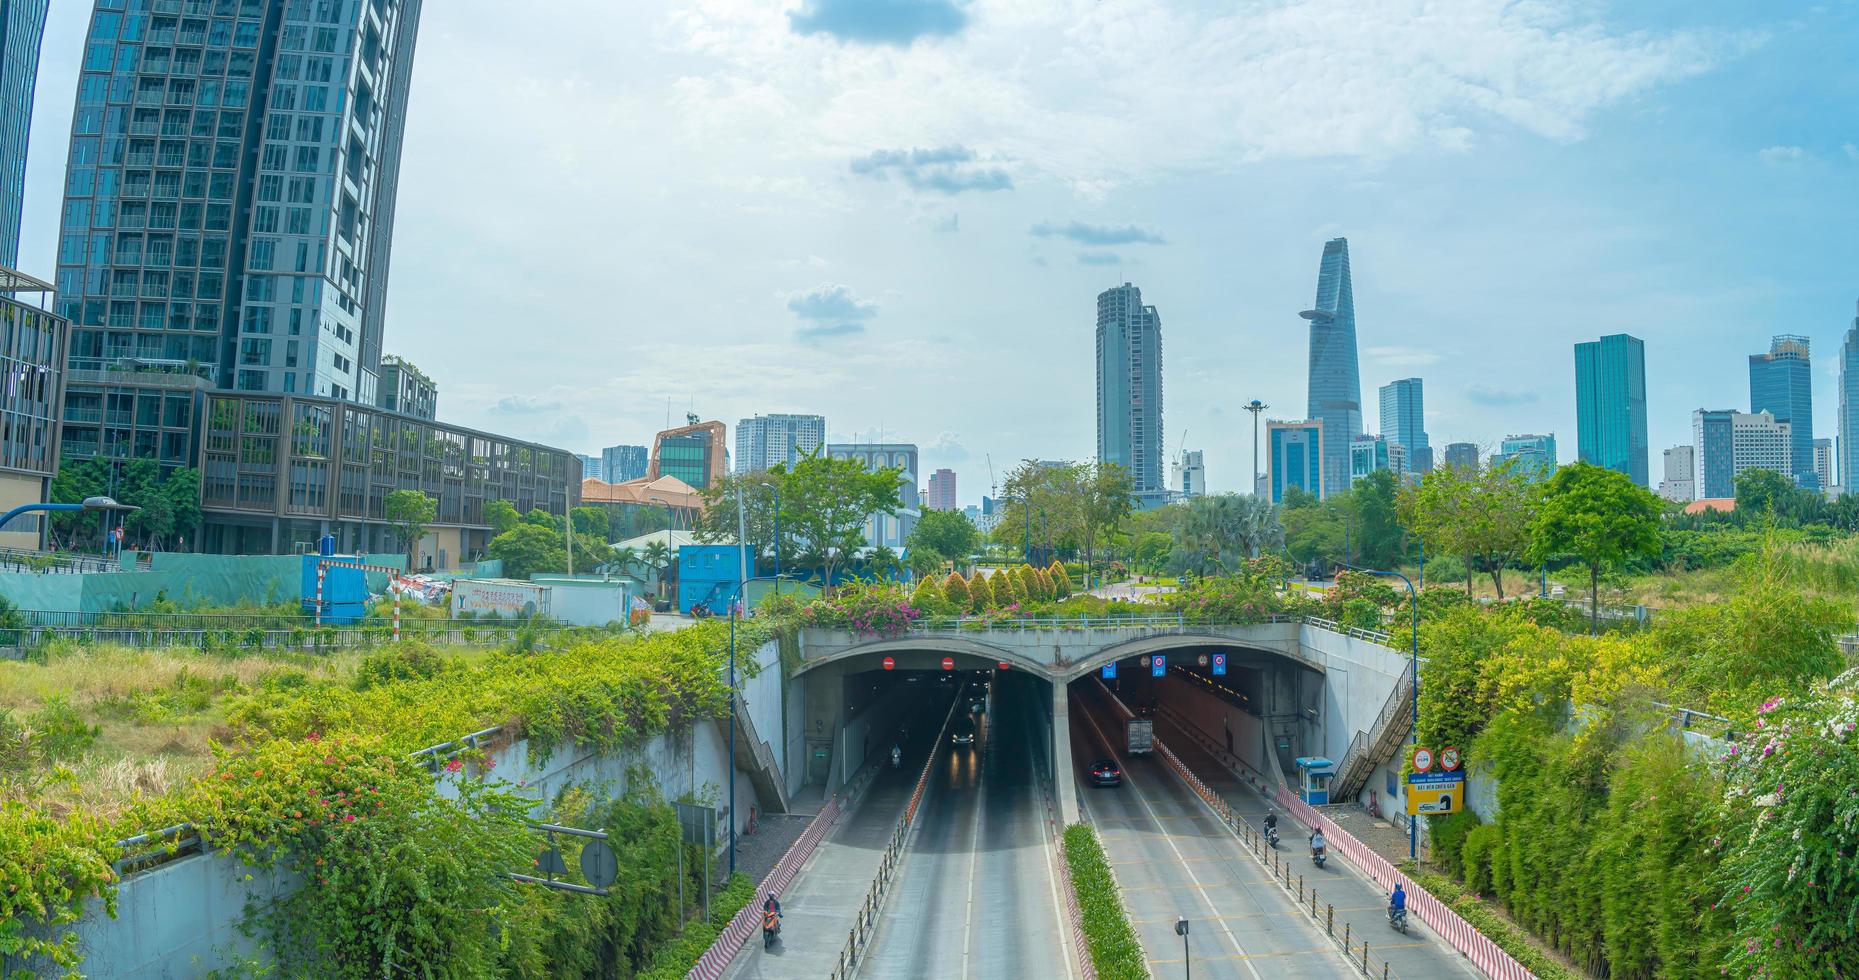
column 897, row 758
column 1317, row 855
column 771, row 928
column 1397, row 919
column 1271, row 837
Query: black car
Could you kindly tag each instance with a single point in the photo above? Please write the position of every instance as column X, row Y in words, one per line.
column 963, row 733
column 1106, row 772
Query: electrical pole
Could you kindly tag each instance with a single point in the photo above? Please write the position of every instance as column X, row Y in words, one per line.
column 1255, row 407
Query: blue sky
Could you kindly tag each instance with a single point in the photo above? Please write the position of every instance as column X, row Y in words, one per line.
column 897, row 213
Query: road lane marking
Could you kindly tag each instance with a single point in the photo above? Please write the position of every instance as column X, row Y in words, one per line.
column 974, row 855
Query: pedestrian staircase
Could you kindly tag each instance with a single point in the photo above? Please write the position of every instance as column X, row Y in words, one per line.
column 1377, row 745
column 755, row 757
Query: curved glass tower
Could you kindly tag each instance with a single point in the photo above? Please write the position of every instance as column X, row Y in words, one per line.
column 1335, row 382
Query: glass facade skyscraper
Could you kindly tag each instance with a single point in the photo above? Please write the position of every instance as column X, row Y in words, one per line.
column 1129, row 386
column 1610, row 405
column 1781, row 383
column 22, row 27
column 1295, row 457
column 1403, row 423
column 1335, row 386
column 1848, row 448
column 229, row 199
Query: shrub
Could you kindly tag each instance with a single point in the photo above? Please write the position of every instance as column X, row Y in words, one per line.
column 1447, row 834
column 955, row 590
column 980, row 593
column 1115, row 952
column 409, row 660
column 1494, row 927
column 1061, row 580
column 1474, row 857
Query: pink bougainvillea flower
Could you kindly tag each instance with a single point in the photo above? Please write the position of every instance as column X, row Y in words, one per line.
column 348, row 818
column 454, row 766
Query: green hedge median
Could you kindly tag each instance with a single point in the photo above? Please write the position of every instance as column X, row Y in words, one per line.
column 1114, row 950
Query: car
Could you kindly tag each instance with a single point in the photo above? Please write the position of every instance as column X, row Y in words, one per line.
column 963, row 734
column 1106, row 772
column 977, row 706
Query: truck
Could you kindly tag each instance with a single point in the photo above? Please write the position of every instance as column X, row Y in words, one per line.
column 1141, row 735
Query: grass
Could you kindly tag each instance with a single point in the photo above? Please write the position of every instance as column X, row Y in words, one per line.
column 1115, row 952
column 97, row 725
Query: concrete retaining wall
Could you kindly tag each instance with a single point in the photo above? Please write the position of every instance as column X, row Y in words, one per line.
column 189, row 580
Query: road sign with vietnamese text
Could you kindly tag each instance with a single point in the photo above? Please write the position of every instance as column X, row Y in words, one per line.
column 1435, row 793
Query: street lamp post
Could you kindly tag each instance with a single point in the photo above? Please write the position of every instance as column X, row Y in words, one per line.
column 101, row 504
column 1255, row 407
column 1413, row 599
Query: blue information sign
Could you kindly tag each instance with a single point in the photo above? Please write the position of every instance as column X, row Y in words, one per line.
column 1110, row 671
column 1219, row 665
column 1158, row 665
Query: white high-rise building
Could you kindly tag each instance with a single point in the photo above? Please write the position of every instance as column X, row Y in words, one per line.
column 1190, row 475
column 1823, row 463
column 1680, row 483
column 1756, row 441
column 767, row 441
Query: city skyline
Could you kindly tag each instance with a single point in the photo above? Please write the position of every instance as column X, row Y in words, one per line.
column 856, row 324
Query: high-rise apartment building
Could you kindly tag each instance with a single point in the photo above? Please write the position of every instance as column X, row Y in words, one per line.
column 1462, row 456
column 941, row 490
column 1848, row 429
column 1335, row 384
column 406, row 389
column 1535, row 455
column 888, row 529
column 22, row 27
column 1403, row 423
column 590, row 467
column 1781, row 382
column 1129, row 386
column 1729, row 442
column 767, row 441
column 1369, row 453
column 696, row 453
column 1294, row 457
column 1190, row 476
column 1610, row 404
column 622, row 463
column 1823, row 463
column 229, row 201
column 1680, row 482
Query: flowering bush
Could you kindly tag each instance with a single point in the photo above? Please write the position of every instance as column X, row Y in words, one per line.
column 1248, row 597
column 1790, row 871
column 866, row 608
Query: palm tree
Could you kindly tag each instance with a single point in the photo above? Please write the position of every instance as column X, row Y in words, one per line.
column 884, row 560
column 625, row 556
column 1221, row 531
column 657, row 557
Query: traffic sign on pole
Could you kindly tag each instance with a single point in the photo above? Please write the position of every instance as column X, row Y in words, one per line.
column 1110, row 671
column 1219, row 665
column 1449, row 758
column 890, row 664
column 948, row 663
column 1158, row 665
column 1003, row 665
column 1422, row 758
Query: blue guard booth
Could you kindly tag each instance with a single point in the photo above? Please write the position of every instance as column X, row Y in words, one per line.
column 1313, row 779
column 708, row 575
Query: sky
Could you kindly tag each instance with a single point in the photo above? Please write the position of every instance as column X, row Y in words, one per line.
column 898, row 213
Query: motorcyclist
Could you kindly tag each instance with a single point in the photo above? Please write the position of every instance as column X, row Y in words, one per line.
column 771, row 920
column 1397, row 902
column 897, row 756
column 1271, row 827
column 1316, row 843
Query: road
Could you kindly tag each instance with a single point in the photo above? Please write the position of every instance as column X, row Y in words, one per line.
column 822, row 902
column 1359, row 901
column 977, row 894
column 1173, row 857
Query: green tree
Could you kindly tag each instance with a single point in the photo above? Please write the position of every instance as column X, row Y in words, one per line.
column 1598, row 515
column 657, row 557
column 1481, row 518
column 409, row 511
column 528, row 548
column 501, row 516
column 759, row 493
column 1217, row 533
column 625, row 557
column 955, row 589
column 1041, row 502
column 1106, row 497
column 827, row 502
column 1378, row 538
column 980, row 593
column 591, row 521
column 944, row 534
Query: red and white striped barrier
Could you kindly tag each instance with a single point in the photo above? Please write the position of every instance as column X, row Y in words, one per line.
column 1488, row 956
column 717, row 958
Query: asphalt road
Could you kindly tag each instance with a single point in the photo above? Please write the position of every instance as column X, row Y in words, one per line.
column 821, row 904
column 1359, row 901
column 977, row 894
column 1173, row 858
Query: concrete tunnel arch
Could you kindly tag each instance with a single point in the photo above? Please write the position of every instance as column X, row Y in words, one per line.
column 968, row 655
column 1169, row 642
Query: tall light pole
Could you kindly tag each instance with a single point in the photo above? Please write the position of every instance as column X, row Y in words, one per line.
column 1413, row 599
column 1255, row 407
column 664, row 576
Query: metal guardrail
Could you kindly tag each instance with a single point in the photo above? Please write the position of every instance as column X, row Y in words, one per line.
column 1366, row 746
column 1382, row 637
column 866, row 921
column 54, row 563
column 1174, row 621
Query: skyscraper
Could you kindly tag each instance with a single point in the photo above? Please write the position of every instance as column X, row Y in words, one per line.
column 1848, row 448
column 1610, row 404
column 1713, row 442
column 1729, row 442
column 1403, row 423
column 941, row 490
column 767, row 441
column 1823, row 463
column 22, row 26
column 1295, row 457
column 1129, row 386
column 229, row 202
column 1190, row 476
column 622, row 463
column 1335, row 385
column 1462, row 456
column 1535, row 454
column 1781, row 383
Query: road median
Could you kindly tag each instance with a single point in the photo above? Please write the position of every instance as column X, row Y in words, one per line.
column 1112, row 949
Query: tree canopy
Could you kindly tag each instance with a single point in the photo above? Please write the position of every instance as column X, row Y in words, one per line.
column 1598, row 515
column 170, row 504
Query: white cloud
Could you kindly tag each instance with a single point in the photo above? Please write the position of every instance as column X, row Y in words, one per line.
column 1069, row 86
column 1397, row 356
column 1781, row 155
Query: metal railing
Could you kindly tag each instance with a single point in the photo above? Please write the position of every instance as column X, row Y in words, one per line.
column 1369, row 749
column 21, row 560
column 1382, row 637
column 865, row 923
column 1159, row 621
